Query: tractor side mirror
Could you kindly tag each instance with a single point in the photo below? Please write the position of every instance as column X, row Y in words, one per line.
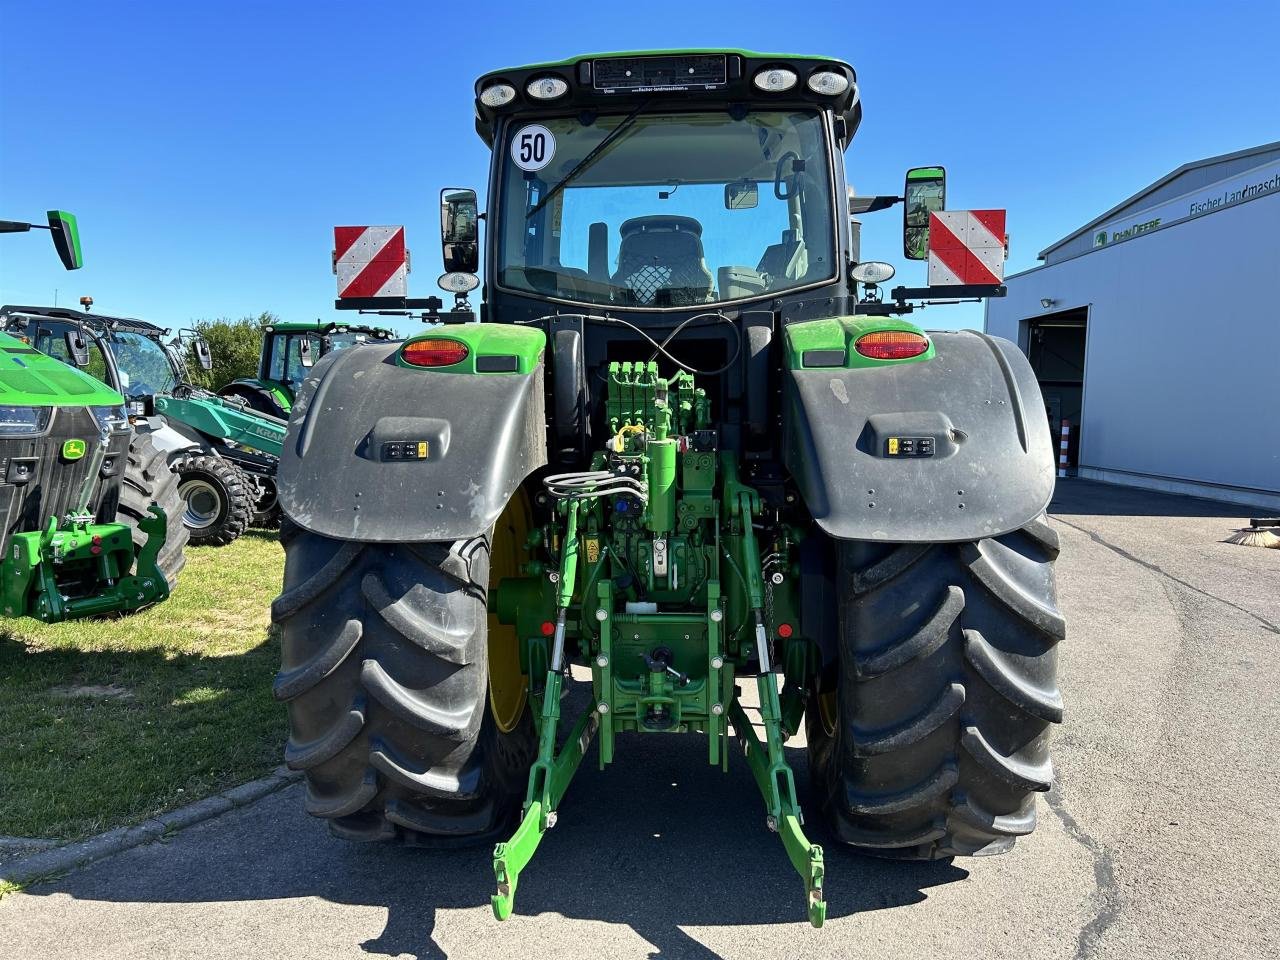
column 304, row 352
column 77, row 347
column 460, row 230
column 741, row 195
column 66, row 238
column 204, row 356
column 925, row 193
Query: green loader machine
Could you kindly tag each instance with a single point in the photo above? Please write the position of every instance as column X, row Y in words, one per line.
column 83, row 507
column 289, row 350
column 68, row 471
column 686, row 461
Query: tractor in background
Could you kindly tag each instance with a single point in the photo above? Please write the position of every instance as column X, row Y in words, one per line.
column 689, row 446
column 289, row 350
column 223, row 454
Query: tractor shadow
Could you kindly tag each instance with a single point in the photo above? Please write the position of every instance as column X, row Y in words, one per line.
column 658, row 842
column 1076, row 497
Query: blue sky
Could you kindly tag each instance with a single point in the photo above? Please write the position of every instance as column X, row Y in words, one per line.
column 208, row 149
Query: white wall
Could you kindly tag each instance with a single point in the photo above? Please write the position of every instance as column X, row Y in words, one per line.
column 1182, row 375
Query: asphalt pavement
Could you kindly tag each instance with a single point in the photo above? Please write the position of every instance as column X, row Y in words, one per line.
column 1161, row 839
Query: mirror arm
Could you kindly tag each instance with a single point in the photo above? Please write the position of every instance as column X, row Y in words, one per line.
column 872, row 204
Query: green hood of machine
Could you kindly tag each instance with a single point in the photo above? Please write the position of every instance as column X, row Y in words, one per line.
column 28, row 378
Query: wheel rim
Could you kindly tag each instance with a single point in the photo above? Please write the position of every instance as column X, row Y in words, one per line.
column 508, row 685
column 201, row 503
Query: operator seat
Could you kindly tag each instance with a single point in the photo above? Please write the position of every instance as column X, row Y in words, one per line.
column 660, row 261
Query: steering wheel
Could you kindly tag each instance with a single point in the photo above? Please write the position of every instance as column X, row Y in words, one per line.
column 796, row 165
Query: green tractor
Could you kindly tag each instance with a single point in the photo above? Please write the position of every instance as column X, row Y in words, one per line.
column 289, row 350
column 689, row 448
column 82, row 533
column 85, row 500
column 222, row 453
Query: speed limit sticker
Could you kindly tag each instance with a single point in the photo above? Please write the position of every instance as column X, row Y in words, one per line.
column 533, row 147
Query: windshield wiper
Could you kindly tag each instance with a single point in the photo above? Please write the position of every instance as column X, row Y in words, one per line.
column 590, row 158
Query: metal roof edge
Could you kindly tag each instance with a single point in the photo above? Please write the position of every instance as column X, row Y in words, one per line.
column 1151, row 188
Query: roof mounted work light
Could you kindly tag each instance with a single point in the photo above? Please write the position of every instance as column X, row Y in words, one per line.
column 775, row 79
column 547, row 88
column 497, row 94
column 828, row 83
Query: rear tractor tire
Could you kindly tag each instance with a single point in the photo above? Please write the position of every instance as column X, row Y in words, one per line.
column 148, row 480
column 217, row 498
column 386, row 677
column 930, row 737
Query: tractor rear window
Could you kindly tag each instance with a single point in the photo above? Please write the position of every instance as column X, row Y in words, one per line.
column 675, row 210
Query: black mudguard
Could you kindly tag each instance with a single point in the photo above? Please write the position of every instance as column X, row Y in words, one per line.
column 484, row 435
column 992, row 469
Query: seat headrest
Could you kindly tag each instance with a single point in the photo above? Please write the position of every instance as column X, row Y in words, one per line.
column 665, row 223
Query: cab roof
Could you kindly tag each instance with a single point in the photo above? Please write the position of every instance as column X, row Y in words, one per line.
column 324, row 326
column 721, row 76
column 97, row 321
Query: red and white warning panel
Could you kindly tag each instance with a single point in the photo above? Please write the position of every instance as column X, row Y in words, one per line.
column 966, row 247
column 370, row 262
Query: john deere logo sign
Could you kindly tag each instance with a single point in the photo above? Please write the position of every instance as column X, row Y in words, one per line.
column 73, row 449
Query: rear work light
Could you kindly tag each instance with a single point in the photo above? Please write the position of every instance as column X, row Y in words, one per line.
column 547, row 88
column 891, row 344
column 828, row 83
column 775, row 79
column 434, row 352
column 497, row 94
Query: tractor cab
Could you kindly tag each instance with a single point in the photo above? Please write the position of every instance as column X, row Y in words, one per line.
column 682, row 182
column 289, row 350
column 130, row 356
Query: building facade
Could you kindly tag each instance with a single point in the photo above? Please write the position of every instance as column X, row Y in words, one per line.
column 1155, row 332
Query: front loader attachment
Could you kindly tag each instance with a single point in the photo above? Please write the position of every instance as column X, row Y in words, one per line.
column 83, row 569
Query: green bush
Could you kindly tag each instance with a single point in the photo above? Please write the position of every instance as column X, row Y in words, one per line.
column 234, row 344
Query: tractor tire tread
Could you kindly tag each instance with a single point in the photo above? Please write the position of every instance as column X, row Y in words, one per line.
column 385, row 677
column 945, row 694
column 236, row 489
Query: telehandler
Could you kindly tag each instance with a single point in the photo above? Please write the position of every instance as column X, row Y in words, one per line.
column 688, row 446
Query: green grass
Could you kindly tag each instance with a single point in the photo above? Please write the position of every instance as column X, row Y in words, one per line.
column 108, row 722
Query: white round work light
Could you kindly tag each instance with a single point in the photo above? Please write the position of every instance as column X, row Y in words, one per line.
column 458, row 282
column 547, row 88
column 497, row 94
column 775, row 79
column 828, row 83
column 872, row 271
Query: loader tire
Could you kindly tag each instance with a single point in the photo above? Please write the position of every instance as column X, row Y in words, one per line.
column 930, row 736
column 147, row 480
column 217, row 498
column 385, row 660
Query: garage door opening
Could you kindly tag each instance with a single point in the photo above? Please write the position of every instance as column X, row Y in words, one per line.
column 1055, row 344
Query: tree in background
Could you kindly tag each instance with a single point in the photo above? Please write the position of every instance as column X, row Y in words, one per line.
column 234, row 345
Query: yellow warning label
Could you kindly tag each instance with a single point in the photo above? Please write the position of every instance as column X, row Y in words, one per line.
column 893, row 446
column 593, row 548
column 422, row 449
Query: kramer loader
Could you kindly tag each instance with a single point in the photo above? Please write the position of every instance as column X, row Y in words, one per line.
column 688, row 446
